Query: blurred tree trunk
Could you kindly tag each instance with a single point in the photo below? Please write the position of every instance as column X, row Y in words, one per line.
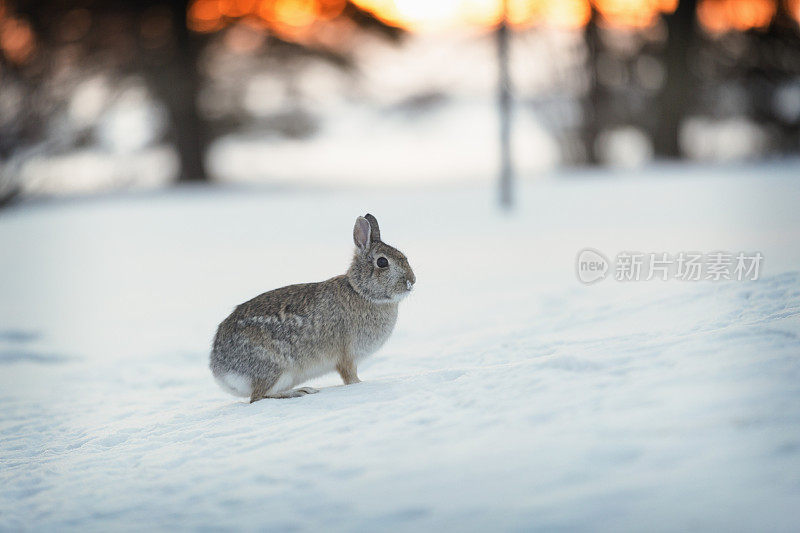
column 676, row 98
column 772, row 65
column 592, row 99
column 177, row 85
column 504, row 105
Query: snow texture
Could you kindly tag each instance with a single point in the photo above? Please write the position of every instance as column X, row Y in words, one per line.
column 510, row 397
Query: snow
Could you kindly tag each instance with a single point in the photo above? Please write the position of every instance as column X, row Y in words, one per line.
column 510, row 396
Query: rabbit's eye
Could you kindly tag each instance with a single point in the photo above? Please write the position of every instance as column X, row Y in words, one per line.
column 383, row 262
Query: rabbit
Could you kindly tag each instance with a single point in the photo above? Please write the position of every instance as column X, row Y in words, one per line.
column 289, row 335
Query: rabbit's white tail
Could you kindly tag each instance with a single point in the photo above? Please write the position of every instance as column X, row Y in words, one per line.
column 235, row 383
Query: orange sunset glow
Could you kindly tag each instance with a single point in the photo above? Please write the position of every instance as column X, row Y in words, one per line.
column 719, row 16
column 418, row 15
column 298, row 17
column 16, row 39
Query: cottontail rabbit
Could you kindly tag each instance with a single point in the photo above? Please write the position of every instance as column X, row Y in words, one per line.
column 287, row 336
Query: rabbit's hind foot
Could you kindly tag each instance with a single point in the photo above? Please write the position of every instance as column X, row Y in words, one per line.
column 291, row 393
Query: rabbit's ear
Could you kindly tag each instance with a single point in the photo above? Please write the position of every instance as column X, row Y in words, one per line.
column 375, row 233
column 361, row 233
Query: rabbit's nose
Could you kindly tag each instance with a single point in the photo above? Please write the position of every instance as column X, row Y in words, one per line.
column 409, row 284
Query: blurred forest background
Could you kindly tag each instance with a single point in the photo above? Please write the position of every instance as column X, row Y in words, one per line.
column 103, row 95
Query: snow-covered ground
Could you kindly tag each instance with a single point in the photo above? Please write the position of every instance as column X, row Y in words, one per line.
column 509, row 397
